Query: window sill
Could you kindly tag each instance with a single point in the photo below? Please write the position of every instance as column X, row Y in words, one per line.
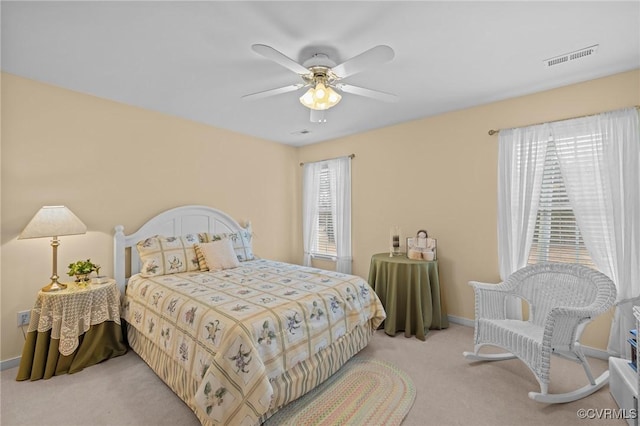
column 325, row 257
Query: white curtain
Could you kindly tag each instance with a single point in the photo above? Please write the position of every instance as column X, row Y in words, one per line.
column 340, row 174
column 341, row 169
column 600, row 161
column 310, row 196
column 521, row 154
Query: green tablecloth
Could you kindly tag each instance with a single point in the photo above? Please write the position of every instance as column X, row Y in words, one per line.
column 42, row 360
column 410, row 292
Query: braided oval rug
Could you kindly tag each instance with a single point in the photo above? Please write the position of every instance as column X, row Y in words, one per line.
column 365, row 391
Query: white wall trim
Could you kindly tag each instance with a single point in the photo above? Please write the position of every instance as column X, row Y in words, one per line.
column 588, row 350
column 461, row 320
column 9, row 363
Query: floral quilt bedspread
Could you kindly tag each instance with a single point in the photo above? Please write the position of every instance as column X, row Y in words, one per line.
column 235, row 329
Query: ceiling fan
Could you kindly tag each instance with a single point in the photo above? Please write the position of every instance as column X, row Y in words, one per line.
column 323, row 78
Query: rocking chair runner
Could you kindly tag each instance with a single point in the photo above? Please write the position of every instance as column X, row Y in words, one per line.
column 562, row 299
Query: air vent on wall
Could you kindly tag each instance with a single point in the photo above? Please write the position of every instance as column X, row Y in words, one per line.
column 571, row 56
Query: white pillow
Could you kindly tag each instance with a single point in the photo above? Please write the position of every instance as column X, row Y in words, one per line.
column 219, row 254
column 241, row 242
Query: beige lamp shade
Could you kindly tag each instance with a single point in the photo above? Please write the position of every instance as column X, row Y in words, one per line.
column 53, row 221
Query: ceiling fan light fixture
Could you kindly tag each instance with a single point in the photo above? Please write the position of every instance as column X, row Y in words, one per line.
column 320, row 92
column 320, row 97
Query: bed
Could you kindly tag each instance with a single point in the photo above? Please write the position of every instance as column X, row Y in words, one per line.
column 243, row 339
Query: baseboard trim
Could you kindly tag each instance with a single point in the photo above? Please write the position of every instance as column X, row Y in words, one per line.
column 588, row 350
column 460, row 320
column 9, row 363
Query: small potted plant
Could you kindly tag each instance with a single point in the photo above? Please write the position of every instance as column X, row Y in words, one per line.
column 81, row 270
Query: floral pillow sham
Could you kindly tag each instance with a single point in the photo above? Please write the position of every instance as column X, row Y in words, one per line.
column 168, row 255
column 162, row 255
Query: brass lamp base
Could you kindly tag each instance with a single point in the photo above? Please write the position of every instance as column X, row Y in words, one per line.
column 54, row 286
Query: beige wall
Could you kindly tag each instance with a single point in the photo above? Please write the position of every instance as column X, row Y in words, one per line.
column 440, row 174
column 115, row 164
column 103, row 160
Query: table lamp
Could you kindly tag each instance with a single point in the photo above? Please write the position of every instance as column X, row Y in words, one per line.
column 53, row 221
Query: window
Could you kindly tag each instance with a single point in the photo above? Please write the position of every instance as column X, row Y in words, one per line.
column 556, row 236
column 326, row 212
column 325, row 240
column 595, row 167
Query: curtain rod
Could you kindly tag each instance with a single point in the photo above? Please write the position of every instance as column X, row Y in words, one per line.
column 352, row 156
column 493, row 132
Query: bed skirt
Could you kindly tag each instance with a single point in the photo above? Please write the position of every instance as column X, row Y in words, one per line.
column 287, row 387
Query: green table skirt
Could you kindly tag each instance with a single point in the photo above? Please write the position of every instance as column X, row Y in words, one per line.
column 42, row 360
column 410, row 293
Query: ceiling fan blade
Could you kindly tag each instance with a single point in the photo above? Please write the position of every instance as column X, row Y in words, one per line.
column 361, row 91
column 272, row 92
column 367, row 59
column 279, row 58
column 317, row 116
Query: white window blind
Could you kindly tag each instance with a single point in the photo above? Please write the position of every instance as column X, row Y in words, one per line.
column 325, row 241
column 556, row 236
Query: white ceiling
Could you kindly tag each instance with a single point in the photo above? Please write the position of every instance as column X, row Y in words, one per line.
column 194, row 59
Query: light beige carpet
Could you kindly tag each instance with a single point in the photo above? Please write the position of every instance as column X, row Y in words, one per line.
column 450, row 390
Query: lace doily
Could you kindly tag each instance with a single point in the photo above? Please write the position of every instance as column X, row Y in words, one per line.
column 69, row 313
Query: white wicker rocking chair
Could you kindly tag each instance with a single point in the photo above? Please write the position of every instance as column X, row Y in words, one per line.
column 562, row 299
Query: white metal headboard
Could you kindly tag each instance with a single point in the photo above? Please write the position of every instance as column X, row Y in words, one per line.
column 171, row 223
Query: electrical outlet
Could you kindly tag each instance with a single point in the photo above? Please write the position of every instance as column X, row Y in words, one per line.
column 23, row 318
